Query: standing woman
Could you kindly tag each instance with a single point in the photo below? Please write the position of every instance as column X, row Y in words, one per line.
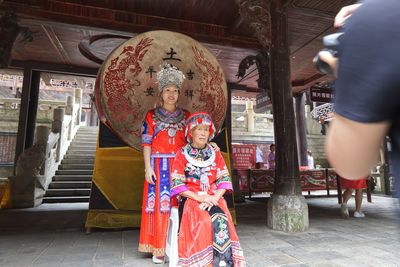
column 163, row 134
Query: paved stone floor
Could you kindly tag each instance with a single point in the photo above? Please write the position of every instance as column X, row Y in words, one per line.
column 53, row 235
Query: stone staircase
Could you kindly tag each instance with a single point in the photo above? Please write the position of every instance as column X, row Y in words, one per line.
column 73, row 178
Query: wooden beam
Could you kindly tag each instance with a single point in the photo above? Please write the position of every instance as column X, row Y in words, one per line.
column 297, row 83
column 241, row 87
column 55, row 41
column 121, row 20
column 56, row 68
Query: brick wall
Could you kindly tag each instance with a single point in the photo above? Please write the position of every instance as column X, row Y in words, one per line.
column 7, row 147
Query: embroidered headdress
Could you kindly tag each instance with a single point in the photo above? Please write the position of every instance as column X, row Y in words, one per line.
column 169, row 75
column 196, row 119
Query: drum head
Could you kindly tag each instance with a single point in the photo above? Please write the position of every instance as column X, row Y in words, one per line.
column 126, row 85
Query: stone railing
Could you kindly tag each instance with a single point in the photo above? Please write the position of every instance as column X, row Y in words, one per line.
column 249, row 126
column 37, row 165
column 259, row 123
column 9, row 109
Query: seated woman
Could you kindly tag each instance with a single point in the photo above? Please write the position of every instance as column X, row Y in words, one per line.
column 207, row 236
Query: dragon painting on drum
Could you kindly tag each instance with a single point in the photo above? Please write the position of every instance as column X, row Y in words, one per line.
column 126, row 85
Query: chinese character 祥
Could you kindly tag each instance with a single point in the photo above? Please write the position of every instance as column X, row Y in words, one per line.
column 149, row 91
column 171, row 55
column 189, row 93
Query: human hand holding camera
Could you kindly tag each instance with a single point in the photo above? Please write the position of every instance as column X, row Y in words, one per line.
column 344, row 14
column 326, row 61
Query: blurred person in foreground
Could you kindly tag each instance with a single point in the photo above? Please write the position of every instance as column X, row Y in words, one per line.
column 367, row 101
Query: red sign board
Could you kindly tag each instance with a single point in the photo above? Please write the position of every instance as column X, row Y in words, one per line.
column 324, row 95
column 243, row 156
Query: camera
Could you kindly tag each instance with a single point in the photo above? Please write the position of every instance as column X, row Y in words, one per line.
column 331, row 43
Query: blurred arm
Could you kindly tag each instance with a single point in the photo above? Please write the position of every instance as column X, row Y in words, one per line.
column 352, row 147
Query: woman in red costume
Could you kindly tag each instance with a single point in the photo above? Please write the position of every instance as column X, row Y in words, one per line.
column 349, row 186
column 207, row 236
column 162, row 136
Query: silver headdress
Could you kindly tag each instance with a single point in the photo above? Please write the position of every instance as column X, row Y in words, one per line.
column 169, row 75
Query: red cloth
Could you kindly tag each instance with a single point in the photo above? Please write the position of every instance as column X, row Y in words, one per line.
column 195, row 240
column 353, row 184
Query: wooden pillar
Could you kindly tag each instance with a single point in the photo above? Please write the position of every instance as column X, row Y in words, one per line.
column 301, row 128
column 27, row 112
column 287, row 208
column 287, row 180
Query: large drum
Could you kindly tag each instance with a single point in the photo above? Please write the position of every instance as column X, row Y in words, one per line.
column 126, row 85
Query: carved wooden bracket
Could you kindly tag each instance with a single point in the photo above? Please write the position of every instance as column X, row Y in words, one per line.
column 262, row 62
column 9, row 30
column 256, row 13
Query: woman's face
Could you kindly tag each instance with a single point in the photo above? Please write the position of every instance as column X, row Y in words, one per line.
column 170, row 95
column 200, row 135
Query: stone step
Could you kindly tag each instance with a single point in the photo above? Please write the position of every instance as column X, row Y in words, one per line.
column 91, row 135
column 77, row 161
column 88, row 143
column 83, row 146
column 86, row 135
column 67, row 166
column 81, row 156
column 70, row 199
column 84, row 142
column 82, row 150
column 75, row 172
column 67, row 192
column 84, row 139
column 71, row 177
column 70, row 185
column 88, row 131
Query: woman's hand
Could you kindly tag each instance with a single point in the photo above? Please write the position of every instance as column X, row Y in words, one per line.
column 150, row 176
column 205, row 206
column 209, row 200
column 214, row 146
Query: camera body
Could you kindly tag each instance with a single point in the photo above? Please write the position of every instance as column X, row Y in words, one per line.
column 331, row 43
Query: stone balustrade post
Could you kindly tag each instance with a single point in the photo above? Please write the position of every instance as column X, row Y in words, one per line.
column 70, row 105
column 42, row 134
column 250, row 116
column 78, row 100
column 41, row 138
column 57, row 127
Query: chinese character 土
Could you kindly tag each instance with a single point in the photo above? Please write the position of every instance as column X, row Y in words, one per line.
column 171, row 55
